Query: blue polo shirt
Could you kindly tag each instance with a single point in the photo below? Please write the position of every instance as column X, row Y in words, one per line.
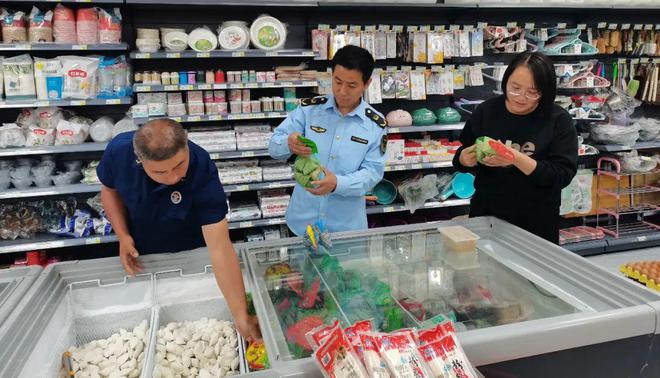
column 164, row 218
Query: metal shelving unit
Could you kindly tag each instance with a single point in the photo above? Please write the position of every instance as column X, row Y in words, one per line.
column 43, row 150
column 146, row 88
column 256, row 223
column 207, row 118
column 393, row 208
column 49, row 191
column 238, row 154
column 252, row 53
column 90, row 102
column 421, row 129
column 620, row 148
column 46, row 241
column 65, row 46
column 414, row 166
column 259, row 186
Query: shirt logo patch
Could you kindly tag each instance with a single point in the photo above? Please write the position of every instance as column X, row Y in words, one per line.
column 318, row 129
column 359, row 140
column 176, row 197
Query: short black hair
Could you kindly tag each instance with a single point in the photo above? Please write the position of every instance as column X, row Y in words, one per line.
column 543, row 72
column 355, row 58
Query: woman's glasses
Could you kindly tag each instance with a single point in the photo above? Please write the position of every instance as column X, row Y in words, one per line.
column 528, row 95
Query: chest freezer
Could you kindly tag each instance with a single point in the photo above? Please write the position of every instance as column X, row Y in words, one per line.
column 14, row 284
column 523, row 306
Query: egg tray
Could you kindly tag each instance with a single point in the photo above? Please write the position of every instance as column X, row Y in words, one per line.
column 644, row 272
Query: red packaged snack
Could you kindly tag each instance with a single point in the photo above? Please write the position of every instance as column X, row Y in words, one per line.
column 87, row 26
column 373, row 361
column 353, row 331
column 110, row 26
column 436, row 333
column 337, row 359
column 399, row 351
column 446, row 359
column 64, row 25
column 316, row 336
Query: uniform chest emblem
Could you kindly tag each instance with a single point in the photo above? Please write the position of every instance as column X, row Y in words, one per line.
column 176, row 197
column 318, row 129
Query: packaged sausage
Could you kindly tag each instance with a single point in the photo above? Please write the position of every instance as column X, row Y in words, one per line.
column 400, row 353
column 337, row 359
column 317, row 335
column 373, row 361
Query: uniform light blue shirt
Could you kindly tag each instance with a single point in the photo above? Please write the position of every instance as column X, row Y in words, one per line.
column 350, row 147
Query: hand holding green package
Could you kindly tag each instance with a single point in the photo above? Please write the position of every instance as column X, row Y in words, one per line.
column 487, row 147
column 308, row 168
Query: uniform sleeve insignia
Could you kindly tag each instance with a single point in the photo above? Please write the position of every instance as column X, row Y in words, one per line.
column 314, row 101
column 377, row 118
column 383, row 144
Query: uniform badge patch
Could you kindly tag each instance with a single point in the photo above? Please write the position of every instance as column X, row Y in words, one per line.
column 359, row 140
column 314, row 101
column 383, row 144
column 318, row 129
column 380, row 121
column 176, row 197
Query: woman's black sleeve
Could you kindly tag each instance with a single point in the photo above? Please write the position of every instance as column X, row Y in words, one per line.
column 467, row 138
column 560, row 166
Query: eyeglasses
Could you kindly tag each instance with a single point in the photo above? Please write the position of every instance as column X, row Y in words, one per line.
column 530, row 96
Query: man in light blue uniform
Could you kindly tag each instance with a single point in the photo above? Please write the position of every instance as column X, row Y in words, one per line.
column 351, row 138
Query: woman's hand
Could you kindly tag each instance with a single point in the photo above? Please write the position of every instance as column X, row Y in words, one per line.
column 468, row 156
column 501, row 160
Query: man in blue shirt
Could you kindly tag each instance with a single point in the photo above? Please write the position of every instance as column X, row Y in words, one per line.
column 351, row 138
column 162, row 193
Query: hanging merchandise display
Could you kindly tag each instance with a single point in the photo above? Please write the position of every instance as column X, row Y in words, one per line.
column 576, row 197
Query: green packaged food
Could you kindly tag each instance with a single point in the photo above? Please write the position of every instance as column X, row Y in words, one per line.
column 307, row 169
column 447, row 115
column 423, row 117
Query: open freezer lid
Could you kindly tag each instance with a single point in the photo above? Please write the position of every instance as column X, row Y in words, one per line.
column 517, row 296
column 14, row 283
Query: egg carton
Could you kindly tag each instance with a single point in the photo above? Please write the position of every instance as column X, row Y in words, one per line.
column 645, row 272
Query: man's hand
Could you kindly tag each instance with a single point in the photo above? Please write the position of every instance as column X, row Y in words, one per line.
column 297, row 147
column 468, row 156
column 128, row 256
column 324, row 186
column 248, row 327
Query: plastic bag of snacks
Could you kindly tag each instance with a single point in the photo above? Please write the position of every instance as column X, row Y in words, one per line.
column 48, row 118
column 41, row 26
column 399, row 351
column 87, row 26
column 73, row 131
column 113, row 74
column 26, row 118
column 80, row 76
column 110, row 26
column 373, row 361
column 317, row 335
column 48, row 78
column 101, row 130
column 64, row 25
column 19, row 77
column 11, row 136
column 14, row 28
column 337, row 358
column 38, row 136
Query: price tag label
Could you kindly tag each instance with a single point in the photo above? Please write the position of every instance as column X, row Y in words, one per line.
column 204, row 86
column 114, row 101
column 529, row 25
column 83, row 1
column 393, row 130
column 251, row 85
column 177, row 119
column 561, row 25
column 96, row 240
column 613, row 26
column 267, row 85
column 602, row 25
column 238, row 54
column 648, row 27
column 287, row 84
column 142, row 56
column 78, row 103
column 186, row 87
column 173, row 55
column 42, row 103
column 454, row 27
column 275, row 221
column 143, row 88
column 219, row 86
column 638, row 27
column 642, row 238
column 169, row 88
column 388, row 209
column 23, row 46
column 245, row 224
column 242, row 188
column 203, row 55
column 511, row 24
column 79, row 47
column 215, row 118
column 214, row 156
column 247, row 154
column 625, row 26
column 194, row 119
column 416, row 166
column 468, row 28
column 271, row 53
column 482, row 25
column 582, row 26
column 235, row 86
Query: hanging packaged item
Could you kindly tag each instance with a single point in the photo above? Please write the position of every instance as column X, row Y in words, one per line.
column 459, row 78
column 14, row 28
column 380, row 45
column 110, row 26
column 19, row 77
column 388, row 85
column 464, row 49
column 41, row 26
column 64, row 25
column 435, row 50
column 337, row 41
column 374, row 92
column 337, row 359
column 477, row 42
column 368, row 42
column 402, row 79
column 419, row 47
column 321, row 43
column 48, row 78
column 87, row 26
column 417, row 85
column 391, row 39
column 80, row 76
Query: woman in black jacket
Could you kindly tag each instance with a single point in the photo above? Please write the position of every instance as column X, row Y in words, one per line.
column 522, row 186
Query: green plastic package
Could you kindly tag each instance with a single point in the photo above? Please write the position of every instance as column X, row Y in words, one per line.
column 447, row 115
column 307, row 169
column 484, row 149
column 423, row 117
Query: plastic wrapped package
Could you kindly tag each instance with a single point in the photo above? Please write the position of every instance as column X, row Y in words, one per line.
column 66, row 178
column 101, row 130
column 48, row 118
column 41, row 26
column 125, row 124
column 19, row 221
column 415, row 191
column 649, row 128
column 112, row 81
column 78, row 225
column 48, row 78
column 19, row 77
column 13, row 26
column 26, row 118
column 89, row 173
column 72, row 131
column 614, row 134
column 110, row 26
column 38, row 136
column 80, row 76
column 64, row 25
column 11, row 136
column 633, row 162
column 87, row 26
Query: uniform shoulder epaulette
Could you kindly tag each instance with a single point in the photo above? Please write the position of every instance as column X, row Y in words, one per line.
column 313, row 101
column 380, row 120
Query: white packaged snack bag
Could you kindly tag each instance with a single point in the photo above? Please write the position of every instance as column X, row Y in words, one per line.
column 80, row 75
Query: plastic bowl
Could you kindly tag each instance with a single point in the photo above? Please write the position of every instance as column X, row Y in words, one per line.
column 234, row 35
column 175, row 41
column 267, row 33
column 143, row 33
column 463, row 185
column 202, row 40
column 20, row 172
column 385, row 191
column 147, row 45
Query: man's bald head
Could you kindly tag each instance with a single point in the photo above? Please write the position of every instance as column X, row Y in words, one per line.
column 159, row 140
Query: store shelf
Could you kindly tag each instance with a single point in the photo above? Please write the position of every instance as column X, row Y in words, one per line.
column 264, row 3
column 637, row 146
column 647, row 189
column 381, row 209
column 207, row 118
column 293, row 53
column 410, row 167
column 41, row 150
column 256, row 223
column 39, row 103
column 629, row 229
column 259, row 186
column 642, row 208
column 46, row 241
column 65, row 46
column 420, row 129
column 145, row 88
column 49, row 191
column 238, row 154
